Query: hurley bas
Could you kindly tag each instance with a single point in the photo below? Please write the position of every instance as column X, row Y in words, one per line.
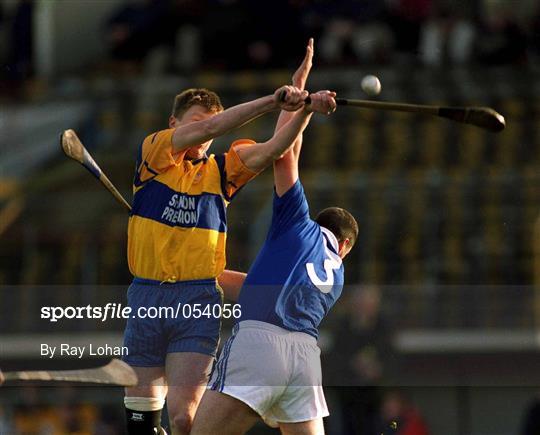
column 65, row 349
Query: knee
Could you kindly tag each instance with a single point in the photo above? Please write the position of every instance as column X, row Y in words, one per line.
column 182, row 422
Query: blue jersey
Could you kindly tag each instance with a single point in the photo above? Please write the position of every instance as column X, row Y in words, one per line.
column 297, row 275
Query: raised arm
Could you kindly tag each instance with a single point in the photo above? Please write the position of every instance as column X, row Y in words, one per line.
column 198, row 132
column 286, row 168
column 260, row 155
column 299, row 80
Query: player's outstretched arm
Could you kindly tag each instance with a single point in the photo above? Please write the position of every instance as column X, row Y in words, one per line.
column 199, row 132
column 286, row 168
column 299, row 80
column 231, row 282
column 259, row 156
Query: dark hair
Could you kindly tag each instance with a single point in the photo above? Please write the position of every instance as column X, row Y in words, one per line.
column 200, row 97
column 340, row 222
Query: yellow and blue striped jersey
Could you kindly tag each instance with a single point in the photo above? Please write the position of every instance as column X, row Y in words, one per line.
column 177, row 227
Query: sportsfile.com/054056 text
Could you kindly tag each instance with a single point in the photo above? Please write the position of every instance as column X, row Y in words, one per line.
column 119, row 311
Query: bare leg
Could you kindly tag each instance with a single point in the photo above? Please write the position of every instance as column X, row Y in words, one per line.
column 147, row 396
column 187, row 376
column 151, row 383
column 221, row 414
column 311, row 427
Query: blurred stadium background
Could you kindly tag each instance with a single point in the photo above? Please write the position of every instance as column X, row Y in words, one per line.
column 438, row 327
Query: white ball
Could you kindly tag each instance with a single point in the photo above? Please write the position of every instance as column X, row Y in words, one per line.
column 371, row 85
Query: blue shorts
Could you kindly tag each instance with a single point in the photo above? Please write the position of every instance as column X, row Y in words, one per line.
column 149, row 340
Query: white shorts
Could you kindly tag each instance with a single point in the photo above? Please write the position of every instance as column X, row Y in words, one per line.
column 274, row 371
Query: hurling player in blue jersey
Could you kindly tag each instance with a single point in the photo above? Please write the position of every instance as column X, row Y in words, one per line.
column 270, row 367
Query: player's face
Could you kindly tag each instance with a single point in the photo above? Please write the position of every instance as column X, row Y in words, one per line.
column 193, row 114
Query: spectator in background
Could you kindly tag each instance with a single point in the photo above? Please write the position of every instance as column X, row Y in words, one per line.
column 500, row 39
column 400, row 417
column 447, row 37
column 406, row 18
column 137, row 27
column 363, row 345
column 258, row 44
column 267, row 47
column 364, row 338
column 223, row 43
column 314, row 17
column 20, row 49
column 353, row 30
column 186, row 17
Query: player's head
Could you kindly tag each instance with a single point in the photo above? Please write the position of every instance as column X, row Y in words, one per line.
column 343, row 226
column 195, row 105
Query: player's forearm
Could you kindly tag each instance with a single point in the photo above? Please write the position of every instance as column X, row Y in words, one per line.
column 286, row 170
column 290, row 134
column 293, row 152
column 286, row 166
column 260, row 156
column 231, row 282
column 285, row 116
column 202, row 131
